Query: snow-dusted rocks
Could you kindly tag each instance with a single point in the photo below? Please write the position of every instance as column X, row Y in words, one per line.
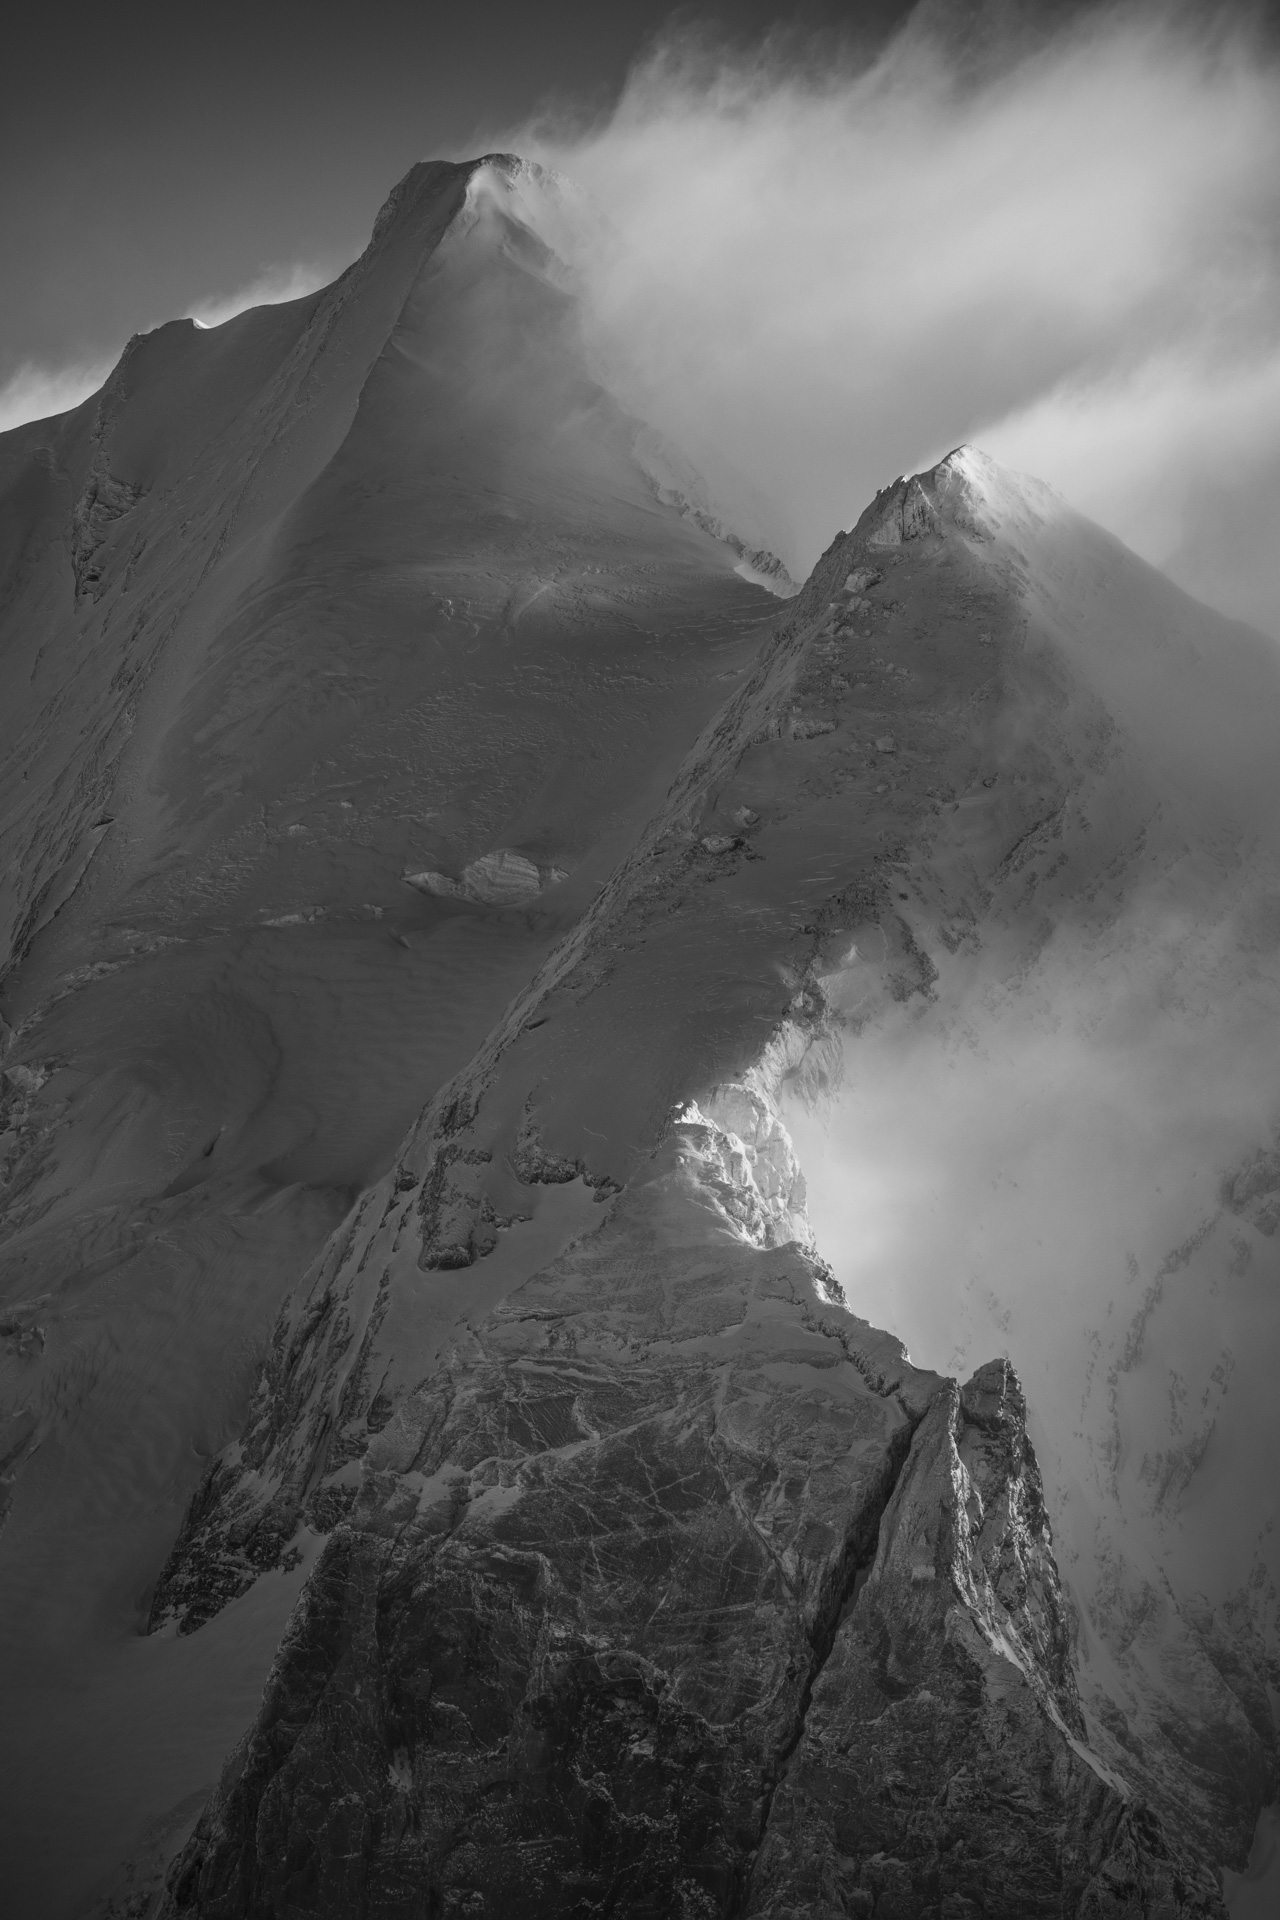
column 557, row 1650
column 943, row 1766
column 744, row 1156
column 909, row 515
column 503, row 878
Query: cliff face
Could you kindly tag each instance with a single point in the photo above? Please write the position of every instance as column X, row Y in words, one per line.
column 560, row 1646
column 943, row 1765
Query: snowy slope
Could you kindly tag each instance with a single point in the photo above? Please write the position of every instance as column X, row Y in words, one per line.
column 347, row 590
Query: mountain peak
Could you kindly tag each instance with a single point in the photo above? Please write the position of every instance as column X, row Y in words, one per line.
column 535, row 196
column 965, row 492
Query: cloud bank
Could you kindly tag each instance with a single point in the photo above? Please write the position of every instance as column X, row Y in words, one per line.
column 34, row 392
column 813, row 274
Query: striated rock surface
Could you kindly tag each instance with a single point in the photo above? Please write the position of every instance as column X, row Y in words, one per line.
column 500, row 879
column 555, row 1654
column 678, row 1591
column 943, row 1765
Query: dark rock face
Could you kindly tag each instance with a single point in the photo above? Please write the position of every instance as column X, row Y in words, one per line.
column 943, row 1768
column 553, row 1663
column 679, row 1592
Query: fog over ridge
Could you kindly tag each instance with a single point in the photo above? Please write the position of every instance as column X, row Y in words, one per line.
column 815, row 274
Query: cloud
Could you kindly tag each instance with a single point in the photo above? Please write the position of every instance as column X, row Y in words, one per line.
column 813, row 274
column 34, row 392
column 1180, row 456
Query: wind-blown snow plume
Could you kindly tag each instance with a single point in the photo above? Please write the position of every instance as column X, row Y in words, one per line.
column 812, row 274
column 269, row 288
column 35, row 391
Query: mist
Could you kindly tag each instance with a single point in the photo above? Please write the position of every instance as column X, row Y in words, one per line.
column 1009, row 1170
column 1045, row 1164
column 35, row 390
column 1065, row 1149
column 812, row 272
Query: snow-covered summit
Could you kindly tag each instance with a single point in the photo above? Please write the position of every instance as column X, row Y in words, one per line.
column 966, row 490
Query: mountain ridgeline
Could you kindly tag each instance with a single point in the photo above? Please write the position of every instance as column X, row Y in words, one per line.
column 438, row 873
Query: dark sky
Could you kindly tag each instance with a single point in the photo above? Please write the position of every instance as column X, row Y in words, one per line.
column 152, row 155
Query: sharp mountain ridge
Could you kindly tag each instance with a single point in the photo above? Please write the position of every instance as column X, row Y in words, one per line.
column 445, row 887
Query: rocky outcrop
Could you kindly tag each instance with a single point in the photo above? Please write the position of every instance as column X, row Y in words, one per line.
column 678, row 1591
column 500, row 879
column 1254, row 1191
column 553, row 1657
column 104, row 501
column 943, row 1766
column 746, row 1160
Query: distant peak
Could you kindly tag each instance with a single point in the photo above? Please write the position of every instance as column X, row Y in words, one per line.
column 966, row 491
column 969, row 465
